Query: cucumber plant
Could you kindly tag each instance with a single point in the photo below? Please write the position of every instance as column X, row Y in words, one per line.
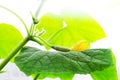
column 70, row 35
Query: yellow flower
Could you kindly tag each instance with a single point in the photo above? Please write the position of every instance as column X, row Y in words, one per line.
column 81, row 46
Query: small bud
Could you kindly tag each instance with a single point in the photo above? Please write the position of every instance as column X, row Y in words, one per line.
column 35, row 21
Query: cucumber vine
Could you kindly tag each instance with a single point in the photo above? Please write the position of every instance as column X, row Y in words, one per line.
column 49, row 31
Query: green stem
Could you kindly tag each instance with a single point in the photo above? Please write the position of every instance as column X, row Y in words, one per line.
column 51, row 37
column 39, row 8
column 40, row 41
column 36, row 77
column 45, row 42
column 14, row 52
column 36, row 40
column 17, row 17
column 32, row 28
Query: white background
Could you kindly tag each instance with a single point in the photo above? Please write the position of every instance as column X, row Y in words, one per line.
column 106, row 12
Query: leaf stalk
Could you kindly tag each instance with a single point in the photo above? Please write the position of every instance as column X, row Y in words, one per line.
column 36, row 77
column 14, row 52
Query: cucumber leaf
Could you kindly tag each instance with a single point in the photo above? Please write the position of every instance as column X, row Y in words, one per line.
column 58, row 64
column 69, row 28
column 10, row 37
column 109, row 73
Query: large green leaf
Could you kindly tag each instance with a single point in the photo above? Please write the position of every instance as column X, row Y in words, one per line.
column 9, row 39
column 77, row 26
column 32, row 61
column 107, row 74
